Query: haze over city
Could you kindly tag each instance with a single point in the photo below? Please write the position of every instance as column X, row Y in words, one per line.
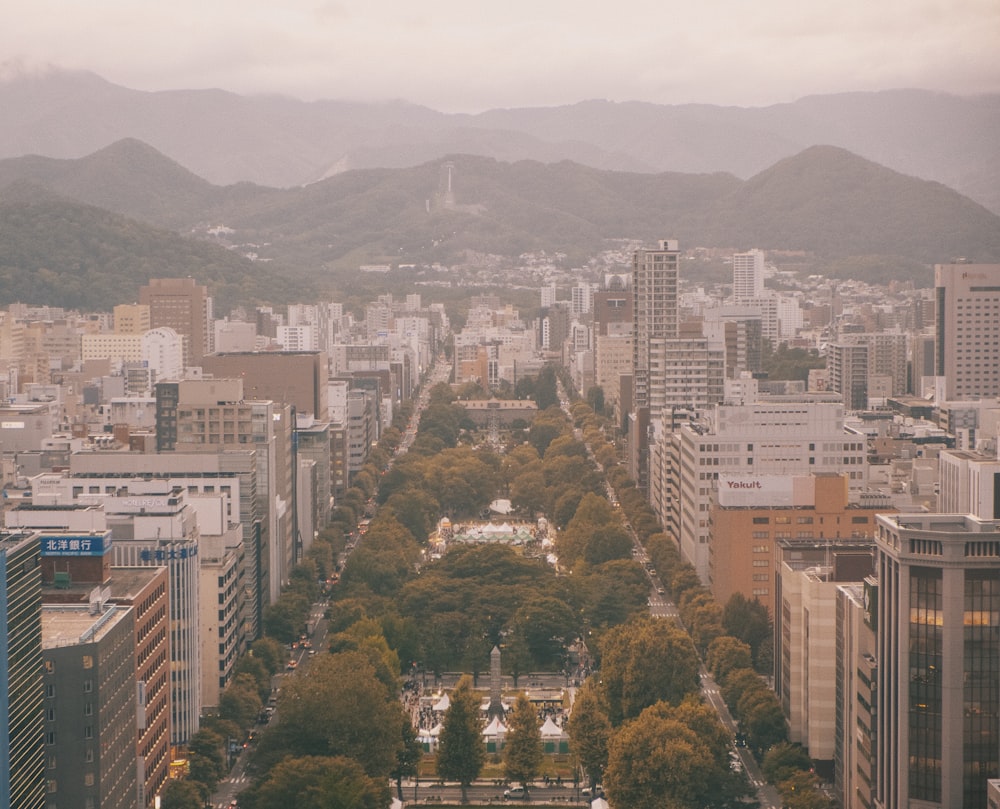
column 468, row 57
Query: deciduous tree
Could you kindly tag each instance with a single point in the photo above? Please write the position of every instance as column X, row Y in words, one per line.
column 589, row 731
column 646, row 661
column 320, row 782
column 461, row 752
column 523, row 751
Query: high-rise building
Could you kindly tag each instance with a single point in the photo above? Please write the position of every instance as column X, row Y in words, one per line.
column 748, row 275
column 298, row 378
column 90, row 705
column 809, row 573
column 938, row 725
column 655, row 313
column 847, row 365
column 185, row 306
column 967, row 342
column 22, row 779
column 76, row 562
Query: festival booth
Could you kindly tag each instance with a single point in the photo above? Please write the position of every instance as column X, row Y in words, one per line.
column 495, row 734
column 554, row 738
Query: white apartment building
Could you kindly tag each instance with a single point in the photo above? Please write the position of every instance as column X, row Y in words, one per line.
column 748, row 275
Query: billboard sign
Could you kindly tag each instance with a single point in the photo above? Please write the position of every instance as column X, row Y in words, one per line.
column 75, row 544
column 755, row 491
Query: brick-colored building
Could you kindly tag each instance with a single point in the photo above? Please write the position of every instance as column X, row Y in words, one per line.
column 752, row 513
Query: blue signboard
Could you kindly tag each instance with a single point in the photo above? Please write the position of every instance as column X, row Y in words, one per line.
column 75, row 544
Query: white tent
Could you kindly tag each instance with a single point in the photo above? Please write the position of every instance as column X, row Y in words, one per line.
column 495, row 729
column 442, row 704
column 436, row 730
column 598, row 803
column 396, row 804
column 550, row 730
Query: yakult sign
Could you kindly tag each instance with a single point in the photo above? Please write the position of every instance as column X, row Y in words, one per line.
column 755, row 490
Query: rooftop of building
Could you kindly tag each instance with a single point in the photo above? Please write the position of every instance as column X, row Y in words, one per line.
column 941, row 523
column 70, row 625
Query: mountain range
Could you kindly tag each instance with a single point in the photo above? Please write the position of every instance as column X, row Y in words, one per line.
column 281, row 142
column 107, row 222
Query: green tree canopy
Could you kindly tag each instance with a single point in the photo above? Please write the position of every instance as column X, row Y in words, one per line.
column 461, row 752
column 646, row 661
column 523, row 751
column 340, row 709
column 589, row 730
column 181, row 795
column 318, row 782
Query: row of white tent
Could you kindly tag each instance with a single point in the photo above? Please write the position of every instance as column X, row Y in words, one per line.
column 497, row 730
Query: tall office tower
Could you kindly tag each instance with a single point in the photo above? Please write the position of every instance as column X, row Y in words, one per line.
column 967, row 343
column 748, row 275
column 938, row 725
column 145, row 590
column 808, row 574
column 211, row 415
column 185, row 306
column 655, row 313
column 22, row 781
column 73, row 564
column 294, row 377
column 160, row 530
column 90, row 705
column 856, row 696
column 847, row 365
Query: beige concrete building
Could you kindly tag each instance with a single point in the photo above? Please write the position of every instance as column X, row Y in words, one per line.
column 967, row 344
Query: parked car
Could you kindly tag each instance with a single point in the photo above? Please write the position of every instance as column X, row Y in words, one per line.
column 514, row 792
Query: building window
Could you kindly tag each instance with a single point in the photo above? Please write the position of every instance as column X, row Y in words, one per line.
column 926, row 661
column 88, row 661
column 761, row 520
column 50, row 690
column 88, row 731
column 88, row 686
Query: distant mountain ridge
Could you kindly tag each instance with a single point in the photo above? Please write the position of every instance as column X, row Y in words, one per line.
column 280, row 142
column 824, row 201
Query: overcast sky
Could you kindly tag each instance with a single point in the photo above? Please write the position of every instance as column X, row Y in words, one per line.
column 469, row 55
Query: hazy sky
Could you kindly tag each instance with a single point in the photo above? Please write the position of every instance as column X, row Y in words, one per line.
column 468, row 55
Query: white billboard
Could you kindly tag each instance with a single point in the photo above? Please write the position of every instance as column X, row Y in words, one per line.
column 756, row 491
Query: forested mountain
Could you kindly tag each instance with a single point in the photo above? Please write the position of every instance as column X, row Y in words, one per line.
column 281, row 142
column 63, row 253
column 825, row 201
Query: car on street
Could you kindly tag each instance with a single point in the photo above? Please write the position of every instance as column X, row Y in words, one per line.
column 515, row 792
